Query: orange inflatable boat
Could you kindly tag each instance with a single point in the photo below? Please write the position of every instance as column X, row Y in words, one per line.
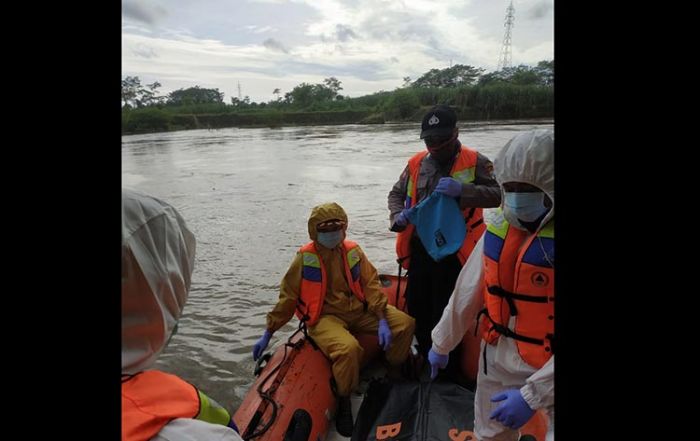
column 292, row 397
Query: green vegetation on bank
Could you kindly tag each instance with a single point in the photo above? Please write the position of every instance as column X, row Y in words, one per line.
column 518, row 92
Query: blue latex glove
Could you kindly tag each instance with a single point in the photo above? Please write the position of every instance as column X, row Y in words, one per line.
column 261, row 345
column 232, row 424
column 384, row 333
column 401, row 219
column 514, row 412
column 449, row 187
column 437, row 361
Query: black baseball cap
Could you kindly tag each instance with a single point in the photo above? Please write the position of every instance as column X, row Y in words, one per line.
column 440, row 120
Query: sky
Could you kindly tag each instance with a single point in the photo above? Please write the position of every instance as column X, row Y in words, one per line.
column 368, row 45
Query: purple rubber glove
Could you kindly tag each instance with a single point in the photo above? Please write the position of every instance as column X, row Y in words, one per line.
column 232, row 424
column 384, row 334
column 402, row 218
column 261, row 345
column 437, row 361
column 449, row 187
column 514, row 412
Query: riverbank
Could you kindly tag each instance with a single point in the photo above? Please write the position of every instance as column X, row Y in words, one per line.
column 156, row 120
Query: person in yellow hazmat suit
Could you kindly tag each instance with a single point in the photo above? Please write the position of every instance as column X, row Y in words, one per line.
column 335, row 289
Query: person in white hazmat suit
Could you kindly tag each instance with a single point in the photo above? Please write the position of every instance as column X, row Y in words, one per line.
column 509, row 281
column 157, row 262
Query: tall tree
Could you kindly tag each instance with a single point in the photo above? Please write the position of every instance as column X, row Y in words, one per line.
column 522, row 75
column 136, row 95
column 195, row 95
column 457, row 75
column 333, row 85
column 301, row 96
column 545, row 72
column 131, row 90
column 306, row 94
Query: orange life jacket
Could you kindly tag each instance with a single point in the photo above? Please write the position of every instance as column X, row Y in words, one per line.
column 314, row 280
column 151, row 399
column 464, row 171
column 519, row 282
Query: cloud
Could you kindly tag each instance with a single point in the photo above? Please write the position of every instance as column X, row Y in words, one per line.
column 344, row 33
column 440, row 50
column 399, row 26
column 357, row 41
column 532, row 55
column 145, row 13
column 144, row 52
column 539, row 10
column 260, row 29
column 275, row 45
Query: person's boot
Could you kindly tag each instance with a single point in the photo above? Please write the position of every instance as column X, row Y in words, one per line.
column 343, row 418
column 413, row 366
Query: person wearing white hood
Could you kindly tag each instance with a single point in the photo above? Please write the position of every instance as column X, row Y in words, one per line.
column 157, row 262
column 511, row 273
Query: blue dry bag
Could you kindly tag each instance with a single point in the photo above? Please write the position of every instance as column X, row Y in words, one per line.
column 440, row 225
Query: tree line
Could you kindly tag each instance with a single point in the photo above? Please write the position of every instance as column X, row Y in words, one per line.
column 516, row 92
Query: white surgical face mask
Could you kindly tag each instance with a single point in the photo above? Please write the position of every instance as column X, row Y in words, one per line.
column 519, row 208
column 330, row 239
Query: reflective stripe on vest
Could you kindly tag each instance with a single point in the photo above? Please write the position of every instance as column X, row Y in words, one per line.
column 519, row 276
column 314, row 280
column 464, row 171
column 151, row 399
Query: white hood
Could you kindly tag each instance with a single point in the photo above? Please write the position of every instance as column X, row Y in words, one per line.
column 529, row 157
column 157, row 262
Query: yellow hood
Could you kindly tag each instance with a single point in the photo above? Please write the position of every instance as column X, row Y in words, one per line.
column 325, row 212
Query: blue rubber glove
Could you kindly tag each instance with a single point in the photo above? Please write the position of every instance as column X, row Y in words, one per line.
column 261, row 345
column 401, row 219
column 437, row 361
column 232, row 424
column 384, row 333
column 449, row 187
column 514, row 412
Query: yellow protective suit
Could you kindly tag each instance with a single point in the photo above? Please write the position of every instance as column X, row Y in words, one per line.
column 343, row 314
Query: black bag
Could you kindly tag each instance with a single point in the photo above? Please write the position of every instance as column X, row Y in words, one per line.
column 420, row 411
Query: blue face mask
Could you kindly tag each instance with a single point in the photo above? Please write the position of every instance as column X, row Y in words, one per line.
column 523, row 207
column 330, row 239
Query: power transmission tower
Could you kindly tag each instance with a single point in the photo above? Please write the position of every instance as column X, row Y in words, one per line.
column 239, row 90
column 504, row 60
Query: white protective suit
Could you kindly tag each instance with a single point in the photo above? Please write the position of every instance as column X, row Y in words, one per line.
column 527, row 158
column 157, row 262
